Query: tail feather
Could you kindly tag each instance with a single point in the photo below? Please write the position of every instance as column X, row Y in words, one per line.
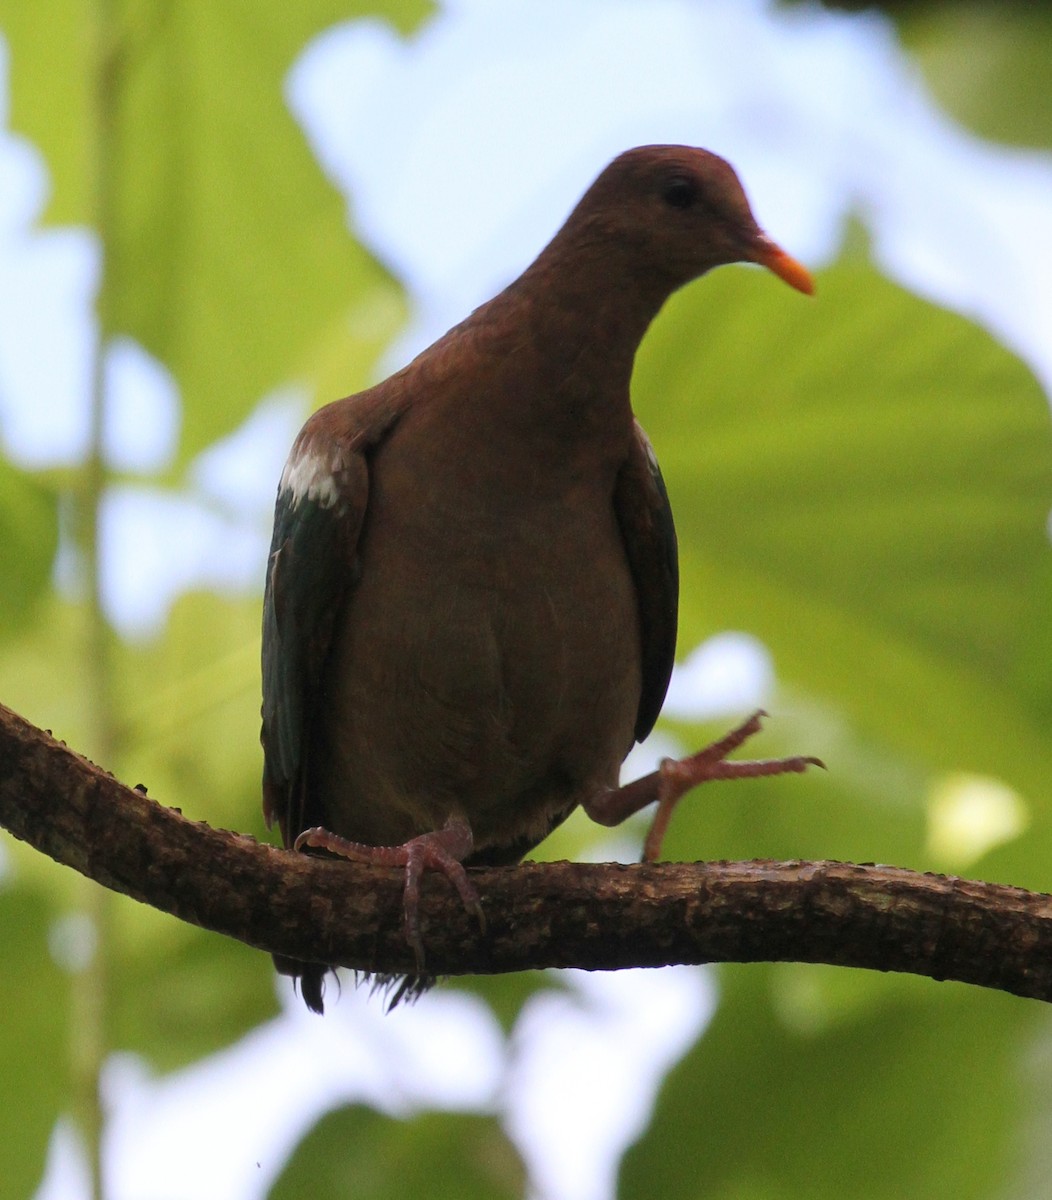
column 309, row 978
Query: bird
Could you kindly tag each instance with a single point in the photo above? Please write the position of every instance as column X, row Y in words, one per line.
column 471, row 597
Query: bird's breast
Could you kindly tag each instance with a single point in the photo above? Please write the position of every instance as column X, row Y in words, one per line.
column 488, row 659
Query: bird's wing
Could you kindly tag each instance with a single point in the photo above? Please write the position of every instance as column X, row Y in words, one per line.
column 313, row 565
column 645, row 518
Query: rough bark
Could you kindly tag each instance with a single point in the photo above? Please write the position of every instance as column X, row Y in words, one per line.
column 598, row 917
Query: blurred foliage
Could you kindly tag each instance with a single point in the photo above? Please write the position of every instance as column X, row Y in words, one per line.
column 986, row 61
column 444, row 1156
column 29, row 534
column 866, row 490
column 228, row 257
column 988, row 65
column 34, row 1038
column 863, row 482
column 887, row 1087
column 227, row 252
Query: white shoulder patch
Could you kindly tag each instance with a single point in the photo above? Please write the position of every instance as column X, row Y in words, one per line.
column 309, row 475
column 648, row 449
column 651, row 456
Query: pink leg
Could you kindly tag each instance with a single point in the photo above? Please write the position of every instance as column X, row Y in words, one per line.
column 675, row 777
column 442, row 850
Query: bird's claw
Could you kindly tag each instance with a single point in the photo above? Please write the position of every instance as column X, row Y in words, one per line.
column 441, row 850
column 677, row 776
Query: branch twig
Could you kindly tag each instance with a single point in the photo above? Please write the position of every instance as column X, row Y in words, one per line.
column 598, row 917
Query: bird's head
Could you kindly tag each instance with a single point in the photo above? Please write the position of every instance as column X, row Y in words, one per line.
column 674, row 212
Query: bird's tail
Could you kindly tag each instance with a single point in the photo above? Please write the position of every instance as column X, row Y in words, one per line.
column 309, row 977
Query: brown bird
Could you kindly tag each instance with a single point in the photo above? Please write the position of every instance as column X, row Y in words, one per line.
column 470, row 610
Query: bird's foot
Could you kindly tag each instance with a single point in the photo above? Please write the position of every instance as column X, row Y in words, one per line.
column 677, row 776
column 441, row 850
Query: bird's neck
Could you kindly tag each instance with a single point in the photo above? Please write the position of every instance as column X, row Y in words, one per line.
column 585, row 292
column 564, row 337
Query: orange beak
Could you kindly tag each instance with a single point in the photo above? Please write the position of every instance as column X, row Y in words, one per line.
column 774, row 258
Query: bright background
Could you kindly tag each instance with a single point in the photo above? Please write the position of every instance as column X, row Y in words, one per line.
column 253, row 208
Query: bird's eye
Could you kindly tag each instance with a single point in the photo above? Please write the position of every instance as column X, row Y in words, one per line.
column 680, row 192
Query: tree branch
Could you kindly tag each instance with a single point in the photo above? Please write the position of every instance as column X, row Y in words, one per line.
column 599, row 917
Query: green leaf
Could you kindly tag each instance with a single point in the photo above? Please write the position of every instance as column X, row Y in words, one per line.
column 356, row 1151
column 817, row 1083
column 192, row 699
column 507, row 995
column 29, row 681
column 29, row 535
column 180, row 993
column 34, row 1048
column 864, row 482
column 989, row 65
column 192, row 738
column 228, row 255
